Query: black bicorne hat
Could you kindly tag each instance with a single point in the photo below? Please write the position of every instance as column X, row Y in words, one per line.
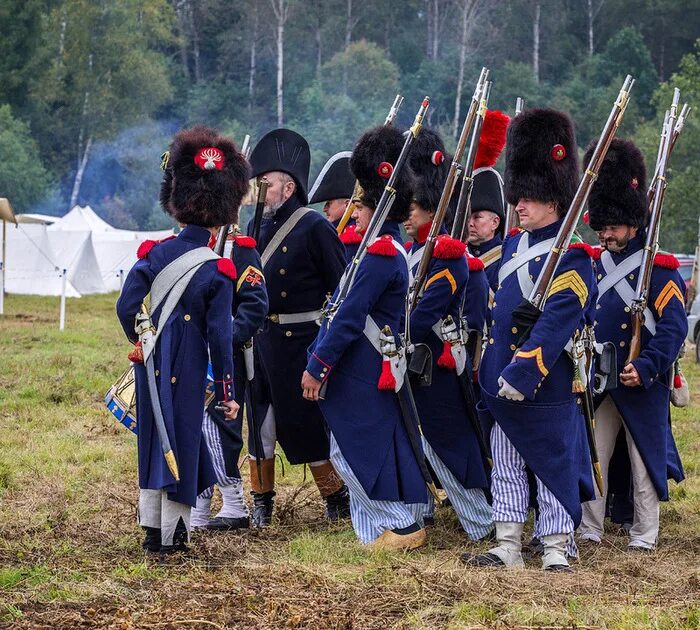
column 205, row 178
column 619, row 195
column 430, row 164
column 335, row 181
column 541, row 158
column 286, row 151
column 372, row 163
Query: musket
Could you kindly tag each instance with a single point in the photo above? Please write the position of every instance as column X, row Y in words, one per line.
column 388, row 121
column 680, row 123
column 416, row 290
column 259, row 207
column 511, row 219
column 641, row 296
column 459, row 227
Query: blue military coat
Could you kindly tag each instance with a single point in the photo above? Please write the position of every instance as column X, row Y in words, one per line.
column 201, row 325
column 547, row 428
column 303, row 271
column 366, row 421
column 489, row 252
column 441, row 407
column 646, row 408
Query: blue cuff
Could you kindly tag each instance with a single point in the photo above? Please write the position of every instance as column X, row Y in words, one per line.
column 318, row 368
column 224, row 390
column 525, row 381
column 646, row 370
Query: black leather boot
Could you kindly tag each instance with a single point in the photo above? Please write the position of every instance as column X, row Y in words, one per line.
column 263, row 504
column 338, row 505
column 151, row 543
column 179, row 540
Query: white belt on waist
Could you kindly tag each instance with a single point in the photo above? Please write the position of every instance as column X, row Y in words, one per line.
column 295, row 318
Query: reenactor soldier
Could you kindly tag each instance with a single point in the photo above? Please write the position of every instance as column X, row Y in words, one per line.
column 302, row 259
column 334, row 187
column 204, row 182
column 224, row 439
column 450, row 441
column 355, row 354
column 640, row 404
column 526, row 387
column 487, row 219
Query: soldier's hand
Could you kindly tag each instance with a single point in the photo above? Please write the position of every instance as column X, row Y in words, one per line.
column 629, row 376
column 311, row 386
column 232, row 408
column 508, row 391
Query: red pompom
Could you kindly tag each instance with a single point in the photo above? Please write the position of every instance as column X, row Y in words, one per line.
column 212, row 242
column 383, row 246
column 210, row 158
column 408, row 245
column 597, row 251
column 634, row 183
column 350, row 236
column 386, row 378
column 384, row 170
column 136, row 355
column 475, row 264
column 448, row 248
column 226, row 266
column 584, row 246
column 446, row 360
column 492, row 140
column 558, row 152
column 145, row 249
column 667, row 261
column 677, row 381
column 244, row 241
column 586, row 217
column 437, row 158
column 514, row 231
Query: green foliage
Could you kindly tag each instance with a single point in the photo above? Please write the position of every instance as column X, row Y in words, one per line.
column 23, row 178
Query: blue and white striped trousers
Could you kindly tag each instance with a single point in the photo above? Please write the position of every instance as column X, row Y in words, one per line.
column 370, row 519
column 510, row 491
column 213, row 442
column 470, row 504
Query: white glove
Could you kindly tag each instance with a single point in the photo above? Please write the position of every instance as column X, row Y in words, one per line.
column 508, row 391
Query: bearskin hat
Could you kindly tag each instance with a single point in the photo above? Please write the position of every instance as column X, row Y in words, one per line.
column 619, row 195
column 541, row 158
column 430, row 164
column 372, row 163
column 487, row 191
column 205, row 178
column 286, row 151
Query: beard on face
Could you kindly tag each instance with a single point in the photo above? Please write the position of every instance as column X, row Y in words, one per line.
column 616, row 244
column 271, row 208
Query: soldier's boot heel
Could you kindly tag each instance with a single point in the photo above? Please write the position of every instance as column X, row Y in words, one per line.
column 554, row 558
column 508, row 552
column 263, row 505
column 151, row 543
column 338, row 505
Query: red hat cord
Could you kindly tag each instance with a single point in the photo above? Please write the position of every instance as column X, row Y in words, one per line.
column 634, row 183
column 558, row 152
column 384, row 170
column 209, row 158
column 437, row 158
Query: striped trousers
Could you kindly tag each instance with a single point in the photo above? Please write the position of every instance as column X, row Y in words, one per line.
column 510, row 491
column 370, row 519
column 470, row 504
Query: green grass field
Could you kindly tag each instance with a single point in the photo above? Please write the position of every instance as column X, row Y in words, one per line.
column 70, row 548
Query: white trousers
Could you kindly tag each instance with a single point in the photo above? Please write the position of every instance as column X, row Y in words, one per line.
column 156, row 510
column 645, row 526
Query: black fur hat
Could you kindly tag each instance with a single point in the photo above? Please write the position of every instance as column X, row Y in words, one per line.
column 619, row 195
column 541, row 158
column 286, row 151
column 372, row 162
column 430, row 164
column 205, row 178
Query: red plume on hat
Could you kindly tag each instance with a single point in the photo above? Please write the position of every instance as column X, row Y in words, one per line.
column 492, row 140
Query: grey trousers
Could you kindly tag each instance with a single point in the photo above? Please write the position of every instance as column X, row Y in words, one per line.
column 645, row 526
column 156, row 510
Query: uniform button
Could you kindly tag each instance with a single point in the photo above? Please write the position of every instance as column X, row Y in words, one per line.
column 622, row 344
column 627, row 309
column 228, row 376
column 288, row 333
column 274, row 318
column 493, row 322
column 623, row 326
column 600, row 276
column 597, row 306
column 284, row 249
column 538, row 258
column 578, row 400
column 491, row 341
column 512, row 347
column 187, row 318
column 173, row 379
column 325, row 369
column 514, row 254
column 283, row 294
column 514, row 330
column 282, row 272
column 631, row 276
column 494, row 305
column 157, row 372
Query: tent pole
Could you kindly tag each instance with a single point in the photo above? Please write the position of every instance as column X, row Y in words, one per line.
column 2, row 267
column 62, row 316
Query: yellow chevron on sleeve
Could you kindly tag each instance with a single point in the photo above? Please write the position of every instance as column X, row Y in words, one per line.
column 252, row 275
column 670, row 291
column 445, row 273
column 536, row 354
column 570, row 280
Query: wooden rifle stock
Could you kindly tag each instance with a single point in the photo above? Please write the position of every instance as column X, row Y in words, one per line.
column 388, row 121
column 259, row 207
column 511, row 219
column 639, row 303
column 447, row 190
